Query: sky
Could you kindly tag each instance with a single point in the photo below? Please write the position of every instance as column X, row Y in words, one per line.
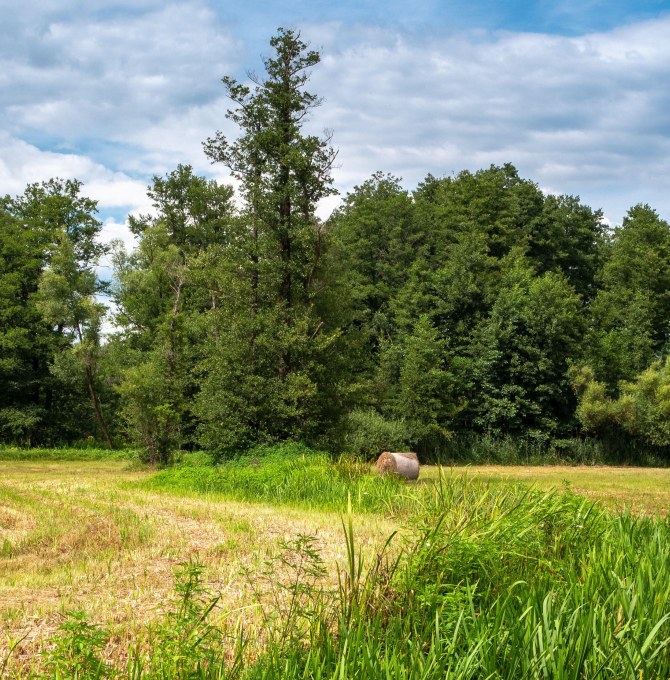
column 575, row 94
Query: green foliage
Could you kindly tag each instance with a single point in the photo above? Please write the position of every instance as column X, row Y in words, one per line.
column 642, row 408
column 151, row 411
column 289, row 474
column 271, row 370
column 404, row 320
column 47, row 248
column 66, row 299
column 164, row 308
column 193, row 210
column 289, row 608
column 368, row 433
column 185, row 638
column 472, row 295
column 521, row 356
column 246, row 399
column 631, row 310
column 377, row 241
column 424, row 382
column 78, row 650
column 23, row 335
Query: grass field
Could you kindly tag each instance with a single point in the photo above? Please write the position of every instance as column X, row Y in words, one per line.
column 84, row 535
column 103, row 538
column 640, row 489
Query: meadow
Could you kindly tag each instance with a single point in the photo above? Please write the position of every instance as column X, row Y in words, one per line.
column 295, row 566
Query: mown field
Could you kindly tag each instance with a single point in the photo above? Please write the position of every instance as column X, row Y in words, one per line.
column 284, row 569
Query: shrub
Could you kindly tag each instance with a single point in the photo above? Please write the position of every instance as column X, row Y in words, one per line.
column 368, row 434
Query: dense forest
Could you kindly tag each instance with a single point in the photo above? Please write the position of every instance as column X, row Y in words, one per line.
column 473, row 306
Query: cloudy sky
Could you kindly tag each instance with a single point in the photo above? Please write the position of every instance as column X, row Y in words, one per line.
column 575, row 93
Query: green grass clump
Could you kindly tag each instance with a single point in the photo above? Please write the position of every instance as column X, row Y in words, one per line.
column 497, row 582
column 288, row 475
column 501, row 583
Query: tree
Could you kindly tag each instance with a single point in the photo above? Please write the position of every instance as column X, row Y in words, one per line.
column 265, row 374
column 67, row 299
column 569, row 237
column 26, row 343
column 151, row 289
column 283, row 173
column 521, row 354
column 642, row 407
column 419, row 385
column 193, row 210
column 377, row 242
column 470, row 229
column 165, row 306
column 629, row 316
column 33, row 227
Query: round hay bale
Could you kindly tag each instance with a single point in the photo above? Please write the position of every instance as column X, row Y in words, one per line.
column 386, row 463
column 405, row 465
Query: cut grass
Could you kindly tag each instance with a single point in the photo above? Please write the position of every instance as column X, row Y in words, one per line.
column 85, row 535
column 634, row 488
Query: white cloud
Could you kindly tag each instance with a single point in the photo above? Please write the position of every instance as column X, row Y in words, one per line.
column 575, row 114
column 22, row 163
column 112, row 79
column 139, row 92
column 115, row 231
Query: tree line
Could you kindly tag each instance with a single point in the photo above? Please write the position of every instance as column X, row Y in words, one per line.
column 474, row 304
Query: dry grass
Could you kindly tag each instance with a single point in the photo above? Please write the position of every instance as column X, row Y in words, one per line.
column 78, row 536
column 645, row 490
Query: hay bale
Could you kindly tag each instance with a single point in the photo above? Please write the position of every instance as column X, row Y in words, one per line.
column 405, row 465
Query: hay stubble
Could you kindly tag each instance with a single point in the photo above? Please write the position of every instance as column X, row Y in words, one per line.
column 89, row 539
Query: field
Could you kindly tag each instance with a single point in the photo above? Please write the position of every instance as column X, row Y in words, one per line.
column 83, row 536
column 640, row 489
column 492, row 579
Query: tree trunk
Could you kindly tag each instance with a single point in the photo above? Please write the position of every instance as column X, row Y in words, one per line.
column 96, row 406
column 216, row 324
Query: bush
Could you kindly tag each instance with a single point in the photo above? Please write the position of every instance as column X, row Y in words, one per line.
column 368, row 434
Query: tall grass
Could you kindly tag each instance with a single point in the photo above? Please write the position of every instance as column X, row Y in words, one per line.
column 498, row 583
column 615, row 447
column 290, row 475
column 491, row 582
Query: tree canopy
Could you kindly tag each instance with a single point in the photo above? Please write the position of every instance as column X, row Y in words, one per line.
column 473, row 305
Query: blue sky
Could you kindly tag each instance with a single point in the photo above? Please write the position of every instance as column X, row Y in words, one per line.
column 575, row 94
